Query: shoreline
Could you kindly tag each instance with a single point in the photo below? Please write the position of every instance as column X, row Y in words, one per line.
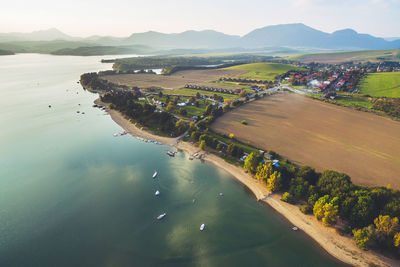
column 341, row 247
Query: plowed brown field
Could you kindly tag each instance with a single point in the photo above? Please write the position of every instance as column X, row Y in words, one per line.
column 322, row 135
column 174, row 81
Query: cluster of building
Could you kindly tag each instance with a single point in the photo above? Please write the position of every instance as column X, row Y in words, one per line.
column 213, row 89
column 241, row 80
column 334, row 79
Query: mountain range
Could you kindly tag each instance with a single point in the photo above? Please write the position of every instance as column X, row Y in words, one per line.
column 295, row 36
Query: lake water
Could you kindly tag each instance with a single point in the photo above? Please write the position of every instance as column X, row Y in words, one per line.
column 71, row 194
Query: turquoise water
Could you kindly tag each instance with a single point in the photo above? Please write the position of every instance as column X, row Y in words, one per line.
column 71, row 194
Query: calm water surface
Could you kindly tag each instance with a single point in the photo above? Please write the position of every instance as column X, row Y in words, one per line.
column 71, row 194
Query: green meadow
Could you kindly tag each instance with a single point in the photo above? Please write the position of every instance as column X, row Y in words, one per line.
column 381, row 84
column 264, row 71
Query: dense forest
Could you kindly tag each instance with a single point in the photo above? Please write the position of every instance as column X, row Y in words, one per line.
column 369, row 213
column 164, row 62
column 92, row 81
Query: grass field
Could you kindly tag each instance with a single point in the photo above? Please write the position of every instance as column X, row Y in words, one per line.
column 263, row 71
column 353, row 101
column 191, row 110
column 322, row 135
column 348, row 101
column 382, row 84
column 359, row 56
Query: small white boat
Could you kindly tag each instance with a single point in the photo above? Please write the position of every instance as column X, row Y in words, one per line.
column 295, row 228
column 220, row 194
column 194, row 200
column 155, row 174
column 202, row 227
column 170, row 153
column 159, row 217
column 157, row 193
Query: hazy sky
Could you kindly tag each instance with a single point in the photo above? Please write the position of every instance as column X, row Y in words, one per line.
column 123, row 17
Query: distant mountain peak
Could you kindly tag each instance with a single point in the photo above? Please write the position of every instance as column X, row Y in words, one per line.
column 345, row 32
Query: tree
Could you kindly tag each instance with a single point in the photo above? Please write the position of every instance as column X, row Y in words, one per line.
column 243, row 93
column 287, row 197
column 326, row 210
column 208, row 110
column 191, row 126
column 365, row 237
column 202, row 145
column 306, row 209
column 330, row 214
column 198, row 95
column 180, row 125
column 231, row 135
column 251, row 162
column 386, row 225
column 274, row 182
column 318, row 209
column 170, row 106
column 363, row 211
column 396, row 240
column 264, row 170
column 232, row 150
column 308, row 174
column 335, row 184
column 160, row 94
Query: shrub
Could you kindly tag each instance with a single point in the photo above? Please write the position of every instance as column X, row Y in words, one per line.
column 202, row 145
column 244, row 122
column 287, row 197
column 306, row 209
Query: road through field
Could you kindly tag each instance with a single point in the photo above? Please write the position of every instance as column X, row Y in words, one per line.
column 322, row 135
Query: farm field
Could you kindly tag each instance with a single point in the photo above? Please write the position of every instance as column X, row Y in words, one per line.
column 324, row 136
column 382, row 84
column 174, row 81
column 358, row 56
column 263, row 71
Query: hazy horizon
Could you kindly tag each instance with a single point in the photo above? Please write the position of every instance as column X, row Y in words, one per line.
column 121, row 18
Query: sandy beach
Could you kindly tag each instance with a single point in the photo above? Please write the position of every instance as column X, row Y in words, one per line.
column 341, row 247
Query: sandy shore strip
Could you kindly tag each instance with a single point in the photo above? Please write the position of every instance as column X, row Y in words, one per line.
column 341, row 247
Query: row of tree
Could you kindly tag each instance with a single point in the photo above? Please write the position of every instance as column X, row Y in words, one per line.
column 331, row 196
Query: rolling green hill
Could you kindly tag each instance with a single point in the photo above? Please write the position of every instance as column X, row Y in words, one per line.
column 5, row 52
column 382, row 84
column 102, row 50
column 264, row 71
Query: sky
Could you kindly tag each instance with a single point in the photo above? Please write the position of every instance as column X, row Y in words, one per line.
column 123, row 17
